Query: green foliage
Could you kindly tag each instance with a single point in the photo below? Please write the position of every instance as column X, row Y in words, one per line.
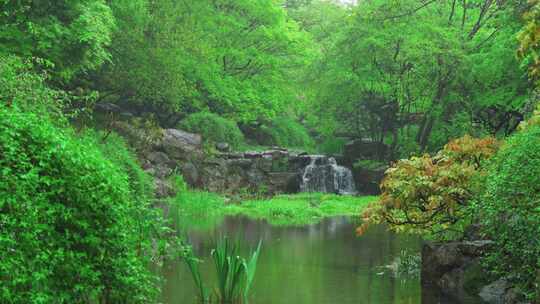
column 392, row 68
column 333, row 145
column 72, row 231
column 193, row 265
column 192, row 209
column 235, row 274
column 529, row 38
column 71, row 36
column 21, row 86
column 232, row 57
column 286, row 132
column 114, row 147
column 213, row 128
column 509, row 209
column 300, row 209
column 368, row 164
column 428, row 195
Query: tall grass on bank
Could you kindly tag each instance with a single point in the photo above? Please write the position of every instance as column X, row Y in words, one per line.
column 194, row 209
column 302, row 208
column 235, row 274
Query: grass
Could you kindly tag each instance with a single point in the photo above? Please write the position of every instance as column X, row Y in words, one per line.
column 300, row 209
column 198, row 210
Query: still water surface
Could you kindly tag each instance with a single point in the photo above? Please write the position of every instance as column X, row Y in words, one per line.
column 323, row 263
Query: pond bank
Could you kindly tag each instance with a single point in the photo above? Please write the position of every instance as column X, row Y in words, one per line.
column 199, row 209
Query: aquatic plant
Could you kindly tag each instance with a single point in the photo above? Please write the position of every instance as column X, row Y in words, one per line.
column 235, row 274
column 406, row 265
column 193, row 264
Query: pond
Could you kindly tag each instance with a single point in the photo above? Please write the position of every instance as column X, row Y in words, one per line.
column 316, row 264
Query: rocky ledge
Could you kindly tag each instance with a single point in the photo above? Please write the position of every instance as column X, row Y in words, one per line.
column 276, row 170
column 453, row 269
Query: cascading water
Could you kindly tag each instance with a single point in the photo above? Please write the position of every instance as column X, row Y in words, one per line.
column 323, row 174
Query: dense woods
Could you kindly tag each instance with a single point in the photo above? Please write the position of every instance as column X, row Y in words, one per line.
column 448, row 88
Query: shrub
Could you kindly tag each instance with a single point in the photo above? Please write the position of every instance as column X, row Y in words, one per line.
column 213, row 127
column 509, row 209
column 332, row 145
column 71, row 230
column 427, row 194
column 115, row 148
column 20, row 85
column 286, row 132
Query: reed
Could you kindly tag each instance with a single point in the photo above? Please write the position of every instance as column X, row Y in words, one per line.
column 235, row 274
column 192, row 263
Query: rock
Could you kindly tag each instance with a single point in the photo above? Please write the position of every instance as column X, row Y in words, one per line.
column 190, row 172
column 284, row 181
column 235, row 155
column 163, row 188
column 252, row 154
column 368, row 179
column 107, row 107
column 126, row 115
column 181, row 145
column 158, row 157
column 495, row 292
column 453, row 268
column 159, row 171
column 223, row 147
column 264, row 163
column 255, row 177
column 239, row 163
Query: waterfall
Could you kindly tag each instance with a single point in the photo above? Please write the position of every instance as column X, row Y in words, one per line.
column 323, row 174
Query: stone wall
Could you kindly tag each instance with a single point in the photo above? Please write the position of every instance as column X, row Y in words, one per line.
column 273, row 171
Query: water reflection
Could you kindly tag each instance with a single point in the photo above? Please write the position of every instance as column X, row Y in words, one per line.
column 316, row 264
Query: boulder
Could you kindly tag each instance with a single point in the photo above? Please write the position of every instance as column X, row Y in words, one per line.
column 181, row 145
column 163, row 188
column 191, row 175
column 159, row 171
column 368, row 179
column 495, row 293
column 157, row 157
column 454, row 269
column 283, row 182
column 223, row 147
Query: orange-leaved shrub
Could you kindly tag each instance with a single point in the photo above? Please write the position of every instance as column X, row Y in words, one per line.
column 427, row 194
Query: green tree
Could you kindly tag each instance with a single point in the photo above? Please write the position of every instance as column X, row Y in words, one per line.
column 229, row 57
column 409, row 69
column 72, row 36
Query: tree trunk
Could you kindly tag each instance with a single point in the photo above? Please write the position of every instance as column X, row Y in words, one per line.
column 425, row 132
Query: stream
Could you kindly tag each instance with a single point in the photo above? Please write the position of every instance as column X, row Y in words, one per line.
column 323, row 263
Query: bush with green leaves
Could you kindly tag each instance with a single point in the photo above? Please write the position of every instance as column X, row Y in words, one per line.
column 21, row 85
column 120, row 154
column 286, row 132
column 213, row 128
column 509, row 209
column 71, row 228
